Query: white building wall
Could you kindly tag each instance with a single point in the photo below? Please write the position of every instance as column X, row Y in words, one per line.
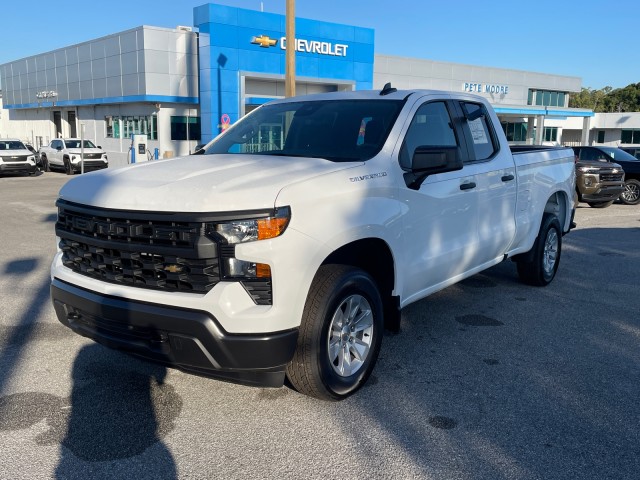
column 611, row 123
column 409, row 73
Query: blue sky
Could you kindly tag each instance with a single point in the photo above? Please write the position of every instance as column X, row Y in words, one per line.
column 592, row 40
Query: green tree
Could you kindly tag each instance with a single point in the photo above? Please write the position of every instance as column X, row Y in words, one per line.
column 607, row 99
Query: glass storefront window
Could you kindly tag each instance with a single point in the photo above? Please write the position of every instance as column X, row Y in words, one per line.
column 515, row 132
column 550, row 134
column 546, row 98
column 133, row 124
column 183, row 127
column 630, row 136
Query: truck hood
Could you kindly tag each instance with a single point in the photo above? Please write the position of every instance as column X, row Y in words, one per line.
column 597, row 164
column 198, row 183
column 77, row 151
column 15, row 153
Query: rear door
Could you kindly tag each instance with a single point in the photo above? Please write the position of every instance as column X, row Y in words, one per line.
column 495, row 176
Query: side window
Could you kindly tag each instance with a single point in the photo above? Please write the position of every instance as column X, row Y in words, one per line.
column 431, row 126
column 480, row 134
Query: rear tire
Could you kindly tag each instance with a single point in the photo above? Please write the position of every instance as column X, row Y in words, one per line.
column 631, row 194
column 600, row 204
column 340, row 334
column 542, row 262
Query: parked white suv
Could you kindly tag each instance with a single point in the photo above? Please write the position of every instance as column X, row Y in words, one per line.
column 14, row 157
column 65, row 153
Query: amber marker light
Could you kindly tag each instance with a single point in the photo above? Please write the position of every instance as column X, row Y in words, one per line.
column 263, row 270
column 271, row 227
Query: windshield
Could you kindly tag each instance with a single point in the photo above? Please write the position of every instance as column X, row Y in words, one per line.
column 76, row 144
column 618, row 154
column 11, row 145
column 337, row 130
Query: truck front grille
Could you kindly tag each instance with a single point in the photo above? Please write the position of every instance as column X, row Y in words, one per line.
column 127, row 231
column 159, row 251
column 15, row 158
column 137, row 249
column 140, row 269
column 611, row 177
column 92, row 156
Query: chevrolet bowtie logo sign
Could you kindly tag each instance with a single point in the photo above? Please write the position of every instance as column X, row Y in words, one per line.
column 264, row 41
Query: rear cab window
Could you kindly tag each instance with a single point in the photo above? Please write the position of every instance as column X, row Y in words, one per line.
column 481, row 138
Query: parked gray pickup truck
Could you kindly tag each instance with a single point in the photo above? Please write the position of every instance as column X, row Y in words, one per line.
column 598, row 183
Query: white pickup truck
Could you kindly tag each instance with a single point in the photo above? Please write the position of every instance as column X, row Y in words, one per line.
column 66, row 154
column 292, row 240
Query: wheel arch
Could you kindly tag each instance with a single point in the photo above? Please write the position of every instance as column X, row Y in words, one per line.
column 558, row 205
column 374, row 256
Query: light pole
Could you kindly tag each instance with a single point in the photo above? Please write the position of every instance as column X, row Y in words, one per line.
column 81, row 148
column 290, row 52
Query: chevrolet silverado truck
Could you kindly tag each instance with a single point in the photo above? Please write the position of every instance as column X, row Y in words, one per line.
column 15, row 157
column 623, row 161
column 66, row 154
column 288, row 244
column 599, row 181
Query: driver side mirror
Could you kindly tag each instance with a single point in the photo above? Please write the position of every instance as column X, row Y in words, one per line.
column 429, row 160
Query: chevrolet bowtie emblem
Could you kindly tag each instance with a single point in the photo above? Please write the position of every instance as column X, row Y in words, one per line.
column 264, row 41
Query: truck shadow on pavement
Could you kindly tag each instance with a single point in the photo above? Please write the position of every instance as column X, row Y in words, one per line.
column 14, row 338
column 119, row 407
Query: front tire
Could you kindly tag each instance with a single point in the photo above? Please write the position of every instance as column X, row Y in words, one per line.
column 541, row 265
column 68, row 169
column 631, row 194
column 340, row 334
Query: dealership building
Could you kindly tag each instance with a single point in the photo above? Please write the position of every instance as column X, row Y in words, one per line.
column 182, row 86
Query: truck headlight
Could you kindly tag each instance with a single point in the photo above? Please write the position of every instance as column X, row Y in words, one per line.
column 233, row 232
column 241, row 231
column 587, row 169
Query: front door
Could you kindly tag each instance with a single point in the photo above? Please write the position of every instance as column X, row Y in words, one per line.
column 441, row 225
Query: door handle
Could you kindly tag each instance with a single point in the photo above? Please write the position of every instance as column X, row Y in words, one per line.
column 468, row 186
column 507, row 178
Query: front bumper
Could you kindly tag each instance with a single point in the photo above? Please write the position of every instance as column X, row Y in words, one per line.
column 89, row 165
column 601, row 192
column 18, row 167
column 190, row 340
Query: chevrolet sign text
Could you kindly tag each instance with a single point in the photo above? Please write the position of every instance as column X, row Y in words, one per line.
column 314, row 46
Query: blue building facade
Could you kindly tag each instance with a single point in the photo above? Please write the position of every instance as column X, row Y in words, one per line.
column 242, row 61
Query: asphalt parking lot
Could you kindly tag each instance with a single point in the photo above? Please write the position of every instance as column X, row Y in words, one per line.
column 488, row 379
